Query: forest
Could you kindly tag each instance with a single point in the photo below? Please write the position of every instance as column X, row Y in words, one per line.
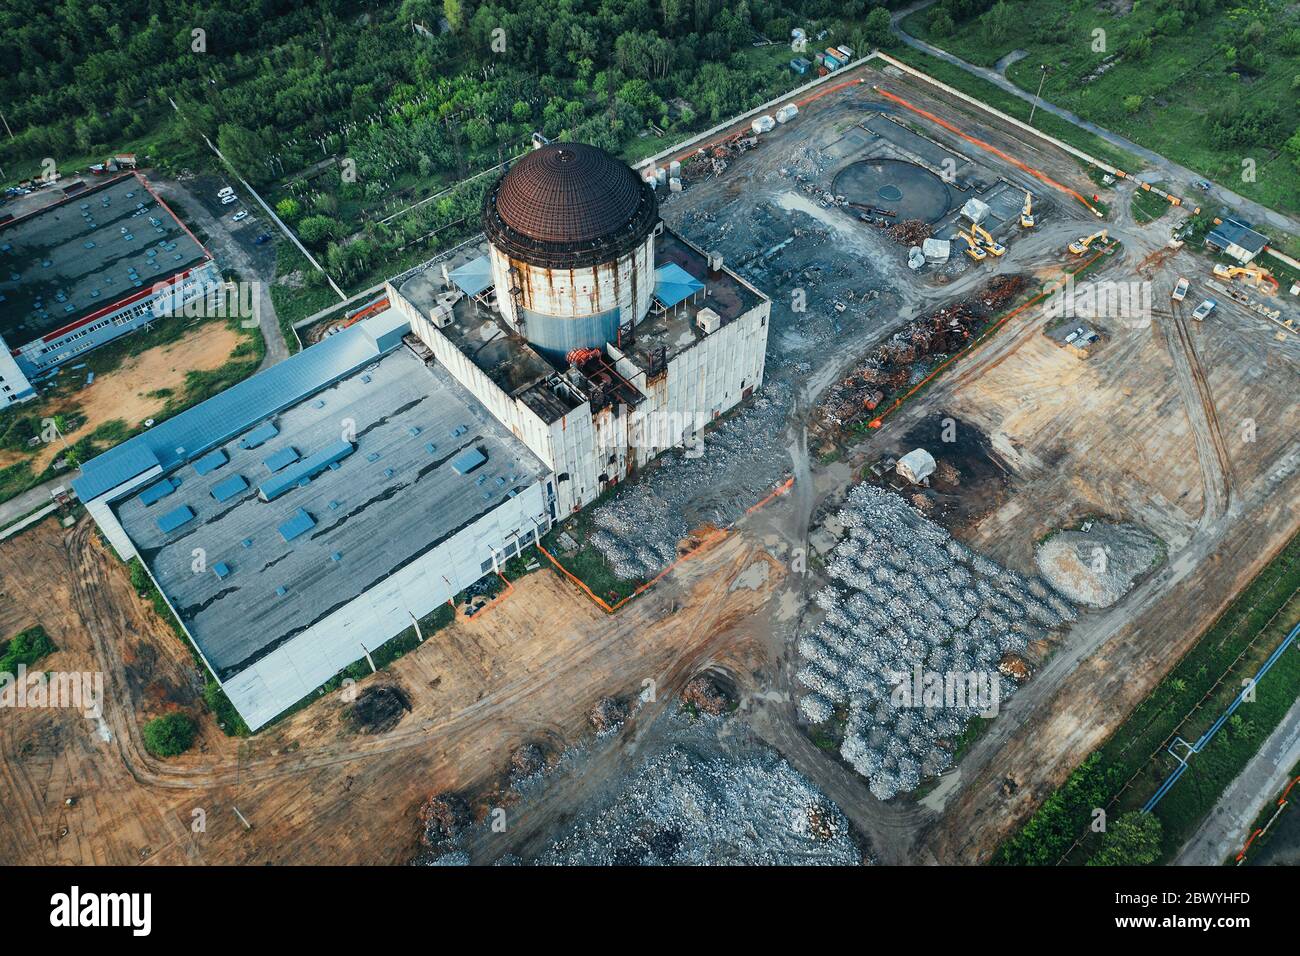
column 415, row 96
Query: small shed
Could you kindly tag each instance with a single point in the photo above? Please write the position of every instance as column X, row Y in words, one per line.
column 916, row 466
column 1237, row 239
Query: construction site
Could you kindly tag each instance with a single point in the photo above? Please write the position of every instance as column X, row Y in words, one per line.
column 930, row 368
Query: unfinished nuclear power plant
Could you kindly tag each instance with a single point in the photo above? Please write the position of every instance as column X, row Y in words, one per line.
column 305, row 516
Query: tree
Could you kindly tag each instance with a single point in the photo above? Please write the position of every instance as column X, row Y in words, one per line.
column 288, row 208
column 876, row 28
column 1132, row 103
column 1293, row 144
column 315, row 230
column 454, row 11
column 1132, row 840
column 170, row 734
column 244, row 149
column 997, row 22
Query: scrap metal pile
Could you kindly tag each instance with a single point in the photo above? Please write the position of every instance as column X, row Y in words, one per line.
column 897, row 362
column 904, row 596
column 910, row 232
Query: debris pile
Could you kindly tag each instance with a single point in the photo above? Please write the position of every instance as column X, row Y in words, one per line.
column 638, row 529
column 701, row 801
column 526, row 761
column 608, row 714
column 377, row 710
column 1099, row 566
column 443, row 817
column 894, row 364
column 704, row 694
column 910, row 611
column 910, row 232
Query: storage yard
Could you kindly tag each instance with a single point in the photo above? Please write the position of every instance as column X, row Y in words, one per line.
column 1169, row 446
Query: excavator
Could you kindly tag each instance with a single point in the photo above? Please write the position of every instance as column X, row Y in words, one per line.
column 1080, row 246
column 1027, row 213
column 1260, row 276
column 986, row 239
column 973, row 247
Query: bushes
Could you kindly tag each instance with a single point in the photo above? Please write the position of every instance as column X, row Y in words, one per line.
column 1132, row 840
column 169, row 735
column 26, row 648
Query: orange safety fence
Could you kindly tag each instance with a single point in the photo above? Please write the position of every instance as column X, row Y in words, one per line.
column 695, row 552
column 1281, row 803
column 990, row 148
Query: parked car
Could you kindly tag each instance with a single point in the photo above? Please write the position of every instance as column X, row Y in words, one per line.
column 1202, row 185
column 1180, row 290
column 227, row 200
column 239, row 215
column 1204, row 309
column 264, row 237
column 226, row 191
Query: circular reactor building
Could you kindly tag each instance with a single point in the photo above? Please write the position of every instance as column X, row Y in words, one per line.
column 571, row 233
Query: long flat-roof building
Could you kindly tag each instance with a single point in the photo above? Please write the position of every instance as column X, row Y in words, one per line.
column 305, row 516
column 96, row 265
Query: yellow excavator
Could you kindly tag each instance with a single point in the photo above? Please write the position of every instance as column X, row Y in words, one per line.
column 1260, row 276
column 1027, row 213
column 986, row 239
column 973, row 247
column 1080, row 246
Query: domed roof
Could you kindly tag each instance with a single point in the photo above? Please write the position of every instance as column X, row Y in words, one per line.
column 570, row 193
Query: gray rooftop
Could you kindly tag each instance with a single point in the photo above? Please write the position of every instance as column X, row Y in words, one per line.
column 390, row 501
column 79, row 256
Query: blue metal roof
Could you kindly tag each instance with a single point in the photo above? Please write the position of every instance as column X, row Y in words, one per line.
column 474, row 276
column 210, row 462
column 673, row 284
column 175, row 518
column 300, row 523
column 260, row 435
column 305, row 470
column 241, row 406
column 468, row 460
column 221, row 570
column 281, row 459
column 1234, row 232
column 157, row 492
column 228, row 488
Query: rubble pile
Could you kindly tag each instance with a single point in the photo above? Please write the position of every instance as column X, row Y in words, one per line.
column 1097, row 567
column 702, row 802
column 892, row 365
column 704, row 694
column 910, row 232
column 608, row 714
column 638, row 529
column 527, row 760
column 908, row 600
column 443, row 817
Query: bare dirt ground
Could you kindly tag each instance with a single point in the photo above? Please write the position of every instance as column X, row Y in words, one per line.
column 125, row 394
column 529, row 669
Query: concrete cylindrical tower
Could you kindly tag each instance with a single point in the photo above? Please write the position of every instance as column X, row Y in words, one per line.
column 571, row 233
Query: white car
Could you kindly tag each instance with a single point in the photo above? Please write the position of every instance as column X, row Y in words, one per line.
column 1204, row 309
column 1180, row 290
column 226, row 191
column 227, row 200
column 239, row 215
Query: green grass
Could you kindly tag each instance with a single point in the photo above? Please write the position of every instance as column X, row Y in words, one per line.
column 1233, row 648
column 25, row 648
column 587, row 564
column 1179, row 83
column 1013, row 106
column 292, row 305
column 1147, row 206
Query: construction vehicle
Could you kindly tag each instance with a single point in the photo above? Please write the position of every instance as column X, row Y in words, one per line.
column 1180, row 290
column 1080, row 246
column 1260, row 276
column 1027, row 213
column 1202, row 311
column 986, row 239
column 973, row 247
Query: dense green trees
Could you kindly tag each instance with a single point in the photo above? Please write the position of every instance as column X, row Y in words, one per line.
column 170, row 735
column 1132, row 840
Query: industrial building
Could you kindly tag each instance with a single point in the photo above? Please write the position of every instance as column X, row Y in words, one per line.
column 1236, row 239
column 300, row 519
column 596, row 335
column 98, row 264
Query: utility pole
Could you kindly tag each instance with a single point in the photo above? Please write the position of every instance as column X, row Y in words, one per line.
column 7, row 129
column 1043, row 69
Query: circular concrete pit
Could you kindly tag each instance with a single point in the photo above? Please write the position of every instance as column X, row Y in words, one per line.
column 911, row 191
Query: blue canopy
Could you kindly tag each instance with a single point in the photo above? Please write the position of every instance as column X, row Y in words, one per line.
column 474, row 276
column 673, row 284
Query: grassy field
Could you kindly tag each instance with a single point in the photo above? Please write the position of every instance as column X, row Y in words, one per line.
column 1124, row 772
column 1147, row 206
column 1161, row 92
column 1000, row 99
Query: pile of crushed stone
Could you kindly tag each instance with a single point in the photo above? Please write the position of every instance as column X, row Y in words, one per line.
column 1098, row 567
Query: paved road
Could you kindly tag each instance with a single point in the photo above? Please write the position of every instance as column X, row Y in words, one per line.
column 1162, row 169
column 31, row 499
column 1225, row 830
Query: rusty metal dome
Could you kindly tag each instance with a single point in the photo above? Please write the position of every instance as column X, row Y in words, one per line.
column 568, row 204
